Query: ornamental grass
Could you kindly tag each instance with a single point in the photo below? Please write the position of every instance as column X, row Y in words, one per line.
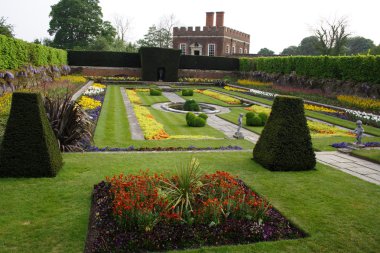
column 219, row 96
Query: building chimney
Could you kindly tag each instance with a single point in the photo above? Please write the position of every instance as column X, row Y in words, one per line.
column 220, row 18
column 209, row 19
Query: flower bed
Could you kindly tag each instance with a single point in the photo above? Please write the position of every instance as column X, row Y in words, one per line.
column 233, row 89
column 197, row 80
column 133, row 148
column 151, row 128
column 72, row 79
column 133, row 97
column 253, row 83
column 346, row 145
column 92, row 100
column 219, row 96
column 137, row 213
column 361, row 103
column 113, row 78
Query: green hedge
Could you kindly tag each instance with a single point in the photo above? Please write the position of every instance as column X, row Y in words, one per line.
column 104, row 59
column 17, row 53
column 153, row 59
column 29, row 147
column 208, row 63
column 354, row 68
column 285, row 143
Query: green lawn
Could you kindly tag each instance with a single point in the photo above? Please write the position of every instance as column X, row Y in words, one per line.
column 372, row 155
column 113, row 127
column 175, row 124
column 341, row 213
column 147, row 99
column 333, row 120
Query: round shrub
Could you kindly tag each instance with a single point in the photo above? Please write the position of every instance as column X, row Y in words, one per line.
column 254, row 121
column 203, row 116
column 264, row 117
column 191, row 105
column 285, row 143
column 187, row 92
column 199, row 122
column 250, row 115
column 155, row 92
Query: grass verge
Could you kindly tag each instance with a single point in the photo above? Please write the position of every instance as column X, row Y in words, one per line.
column 372, row 155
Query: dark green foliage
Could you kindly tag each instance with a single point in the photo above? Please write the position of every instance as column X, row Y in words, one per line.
column 191, row 105
column 71, row 125
column 203, row 116
column 263, row 116
column 155, row 92
column 103, row 59
column 196, row 121
column 354, row 68
column 155, row 59
column 285, row 143
column 5, row 28
column 187, row 92
column 75, row 23
column 17, row 53
column 29, row 147
column 208, row 63
column 253, row 119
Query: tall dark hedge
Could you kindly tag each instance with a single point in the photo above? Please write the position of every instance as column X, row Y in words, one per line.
column 104, row 59
column 208, row 63
column 17, row 53
column 29, row 147
column 153, row 58
column 354, row 68
column 285, row 143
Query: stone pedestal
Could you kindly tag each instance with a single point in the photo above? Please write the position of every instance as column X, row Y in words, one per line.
column 239, row 135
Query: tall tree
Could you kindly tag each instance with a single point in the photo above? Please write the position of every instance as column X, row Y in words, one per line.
column 75, row 23
column 332, row 36
column 359, row 45
column 375, row 50
column 292, row 50
column 309, row 46
column 5, row 28
column 265, row 51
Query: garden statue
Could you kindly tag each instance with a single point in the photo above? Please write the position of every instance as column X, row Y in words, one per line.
column 359, row 130
column 238, row 134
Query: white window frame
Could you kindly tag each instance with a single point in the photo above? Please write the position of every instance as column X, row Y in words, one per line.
column 240, row 50
column 246, row 51
column 183, row 50
column 209, row 50
column 228, row 51
column 233, row 50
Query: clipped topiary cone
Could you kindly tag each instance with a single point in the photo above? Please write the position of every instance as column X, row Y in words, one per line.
column 29, row 147
column 285, row 143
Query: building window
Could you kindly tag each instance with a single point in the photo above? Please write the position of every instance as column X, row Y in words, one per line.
column 240, row 50
column 233, row 50
column 182, row 47
column 228, row 49
column 246, row 51
column 211, row 49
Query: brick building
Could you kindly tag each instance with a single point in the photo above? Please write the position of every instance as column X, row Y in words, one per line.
column 211, row 40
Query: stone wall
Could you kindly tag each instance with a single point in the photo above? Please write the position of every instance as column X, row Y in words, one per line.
column 327, row 86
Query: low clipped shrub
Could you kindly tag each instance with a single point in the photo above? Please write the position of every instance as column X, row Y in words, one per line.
column 155, row 92
column 29, row 147
column 264, row 117
column 187, row 92
column 253, row 119
column 196, row 121
column 191, row 105
column 285, row 143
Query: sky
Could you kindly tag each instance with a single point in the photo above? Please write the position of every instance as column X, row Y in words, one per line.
column 274, row 24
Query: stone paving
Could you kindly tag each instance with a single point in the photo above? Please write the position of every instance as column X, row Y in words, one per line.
column 136, row 132
column 360, row 168
column 81, row 90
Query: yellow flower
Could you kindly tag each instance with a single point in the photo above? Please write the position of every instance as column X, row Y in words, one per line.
column 5, row 103
column 253, row 83
column 132, row 95
column 99, row 85
column 72, row 79
column 362, row 103
column 221, row 97
column 259, row 109
column 151, row 128
column 319, row 108
column 191, row 137
column 322, row 129
column 88, row 103
column 233, row 88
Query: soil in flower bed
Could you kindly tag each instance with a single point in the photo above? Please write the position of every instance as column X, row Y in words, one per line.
column 106, row 235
